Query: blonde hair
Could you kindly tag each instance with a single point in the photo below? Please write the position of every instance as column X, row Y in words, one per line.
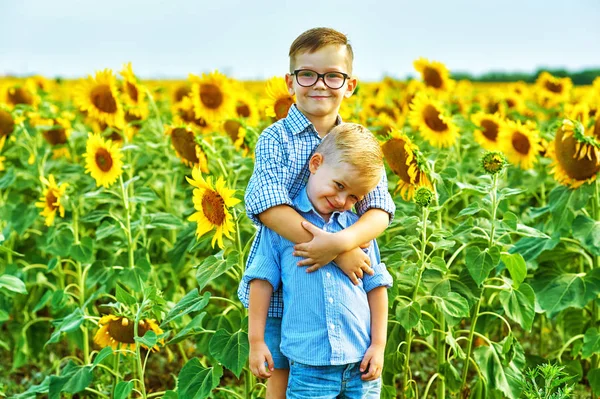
column 317, row 38
column 355, row 145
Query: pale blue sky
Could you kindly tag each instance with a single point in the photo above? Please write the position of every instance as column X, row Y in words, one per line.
column 250, row 39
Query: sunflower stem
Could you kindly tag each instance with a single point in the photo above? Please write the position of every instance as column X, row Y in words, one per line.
column 138, row 354
column 130, row 248
column 116, row 363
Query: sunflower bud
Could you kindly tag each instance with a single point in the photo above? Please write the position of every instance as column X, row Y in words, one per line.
column 493, row 162
column 423, row 196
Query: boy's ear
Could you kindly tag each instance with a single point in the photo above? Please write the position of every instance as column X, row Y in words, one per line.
column 352, row 82
column 315, row 162
column 289, row 82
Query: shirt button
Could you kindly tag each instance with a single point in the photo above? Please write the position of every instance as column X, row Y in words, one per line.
column 328, row 275
column 330, row 300
column 332, row 326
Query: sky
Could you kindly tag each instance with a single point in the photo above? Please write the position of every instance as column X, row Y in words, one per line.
column 250, row 39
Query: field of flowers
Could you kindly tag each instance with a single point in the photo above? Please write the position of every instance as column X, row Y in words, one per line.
column 123, row 235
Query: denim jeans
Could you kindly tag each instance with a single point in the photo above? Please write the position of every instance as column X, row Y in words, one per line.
column 330, row 382
column 273, row 340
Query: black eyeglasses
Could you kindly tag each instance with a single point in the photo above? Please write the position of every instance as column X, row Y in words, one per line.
column 307, row 78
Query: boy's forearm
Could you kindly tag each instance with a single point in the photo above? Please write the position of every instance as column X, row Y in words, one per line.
column 285, row 221
column 378, row 304
column 368, row 227
column 258, row 309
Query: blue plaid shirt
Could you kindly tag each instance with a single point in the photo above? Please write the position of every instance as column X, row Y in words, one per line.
column 281, row 171
column 326, row 319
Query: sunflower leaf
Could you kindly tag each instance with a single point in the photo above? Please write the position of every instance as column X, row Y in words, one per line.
column 481, row 263
column 12, row 283
column 149, row 339
column 103, row 354
column 125, row 297
column 72, row 380
column 519, row 305
column 212, row 267
column 587, row 232
column 193, row 327
column 232, row 350
column 195, row 381
column 123, row 389
column 191, row 302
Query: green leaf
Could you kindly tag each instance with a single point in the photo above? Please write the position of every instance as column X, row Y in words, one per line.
column 103, row 354
column 163, row 220
column 73, row 379
column 510, row 220
column 149, row 339
column 52, row 264
column 123, row 389
column 67, row 324
column 94, row 216
column 591, row 343
column 170, row 395
column 480, row 263
column 231, row 350
column 558, row 200
column 8, row 179
column 125, row 297
column 471, row 209
column 196, row 382
column 453, row 305
column 12, row 283
column 83, row 252
column 143, row 195
column 519, row 305
column 505, row 378
column 516, row 267
column 408, row 313
column 509, row 192
column 43, row 301
column 587, row 231
column 191, row 302
column 451, row 376
column 107, row 229
column 532, row 247
column 564, row 291
column 193, row 327
column 212, row 267
column 593, row 377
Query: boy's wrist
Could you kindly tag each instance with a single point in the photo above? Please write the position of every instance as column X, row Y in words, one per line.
column 344, row 241
column 256, row 340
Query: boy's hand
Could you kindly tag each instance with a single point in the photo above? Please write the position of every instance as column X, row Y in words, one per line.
column 354, row 263
column 372, row 363
column 259, row 354
column 319, row 251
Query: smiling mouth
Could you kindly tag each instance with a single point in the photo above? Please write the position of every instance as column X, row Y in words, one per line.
column 330, row 204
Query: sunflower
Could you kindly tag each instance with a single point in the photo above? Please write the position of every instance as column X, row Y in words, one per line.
column 278, row 101
column 7, row 123
column 236, row 131
column 21, row 94
column 435, row 127
column 487, row 133
column 118, row 332
column 51, row 199
column 212, row 204
column 98, row 97
column 134, row 94
column 520, row 143
column 435, row 75
column 103, row 160
column 246, row 108
column 182, row 91
column 575, row 156
column 212, row 97
column 184, row 142
column 183, row 114
column 406, row 161
column 552, row 90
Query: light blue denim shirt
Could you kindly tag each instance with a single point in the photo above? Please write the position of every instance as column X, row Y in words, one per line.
column 326, row 318
column 281, row 172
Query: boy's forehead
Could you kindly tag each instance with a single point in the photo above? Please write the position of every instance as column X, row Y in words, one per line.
column 328, row 57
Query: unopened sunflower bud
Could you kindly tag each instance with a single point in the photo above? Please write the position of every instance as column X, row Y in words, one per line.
column 493, row 162
column 423, row 196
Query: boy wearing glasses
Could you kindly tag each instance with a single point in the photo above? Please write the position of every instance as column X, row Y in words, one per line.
column 320, row 77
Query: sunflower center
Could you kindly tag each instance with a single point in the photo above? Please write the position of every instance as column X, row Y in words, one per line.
column 578, row 169
column 183, row 141
column 213, row 207
column 432, row 119
column 189, row 116
column 521, row 143
column 124, row 333
column 7, row 123
column 432, row 78
column 181, row 93
column 396, row 155
column 20, row 95
column 132, row 91
column 243, row 110
column 211, row 95
column 103, row 159
column 131, row 117
column 490, row 129
column 282, row 106
column 102, row 98
column 56, row 136
column 554, row 87
column 232, row 128
column 51, row 200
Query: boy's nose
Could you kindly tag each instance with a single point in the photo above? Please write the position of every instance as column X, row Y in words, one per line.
column 320, row 83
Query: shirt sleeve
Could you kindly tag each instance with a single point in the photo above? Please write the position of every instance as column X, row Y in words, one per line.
column 265, row 265
column 378, row 198
column 381, row 277
column 267, row 188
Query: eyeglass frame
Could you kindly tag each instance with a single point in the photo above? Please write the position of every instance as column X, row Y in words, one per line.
column 322, row 77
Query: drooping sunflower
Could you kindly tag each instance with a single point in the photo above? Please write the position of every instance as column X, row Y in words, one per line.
column 183, row 114
column 7, row 123
column 435, row 126
column 435, row 75
column 520, row 143
column 489, row 126
column 212, row 96
column 575, row 155
column 246, row 107
column 118, row 332
column 236, row 131
column 278, row 101
column 552, row 90
column 406, row 161
column 181, row 91
column 212, row 204
column 51, row 199
column 184, row 142
column 98, row 97
column 103, row 160
column 134, row 94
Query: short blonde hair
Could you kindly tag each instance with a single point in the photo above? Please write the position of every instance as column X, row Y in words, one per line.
column 355, row 145
column 317, row 38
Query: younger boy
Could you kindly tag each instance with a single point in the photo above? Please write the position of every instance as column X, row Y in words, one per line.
column 320, row 77
column 333, row 332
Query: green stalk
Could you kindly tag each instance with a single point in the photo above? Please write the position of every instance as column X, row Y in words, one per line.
column 130, row 248
column 441, row 356
column 116, row 368
column 138, row 354
column 596, row 264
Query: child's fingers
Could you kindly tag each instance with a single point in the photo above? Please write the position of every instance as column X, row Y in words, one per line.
column 300, row 253
column 365, row 362
column 270, row 362
column 372, row 374
column 313, row 268
column 365, row 245
column 306, row 262
column 367, row 269
column 262, row 371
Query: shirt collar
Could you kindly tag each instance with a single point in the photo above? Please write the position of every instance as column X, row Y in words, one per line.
column 297, row 122
column 302, row 203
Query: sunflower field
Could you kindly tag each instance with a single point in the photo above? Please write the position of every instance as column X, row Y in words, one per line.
column 123, row 234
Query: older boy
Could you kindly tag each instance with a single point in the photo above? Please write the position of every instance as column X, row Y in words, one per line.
column 332, row 330
column 320, row 77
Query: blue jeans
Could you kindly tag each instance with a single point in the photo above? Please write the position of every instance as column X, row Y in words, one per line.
column 273, row 340
column 330, row 382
